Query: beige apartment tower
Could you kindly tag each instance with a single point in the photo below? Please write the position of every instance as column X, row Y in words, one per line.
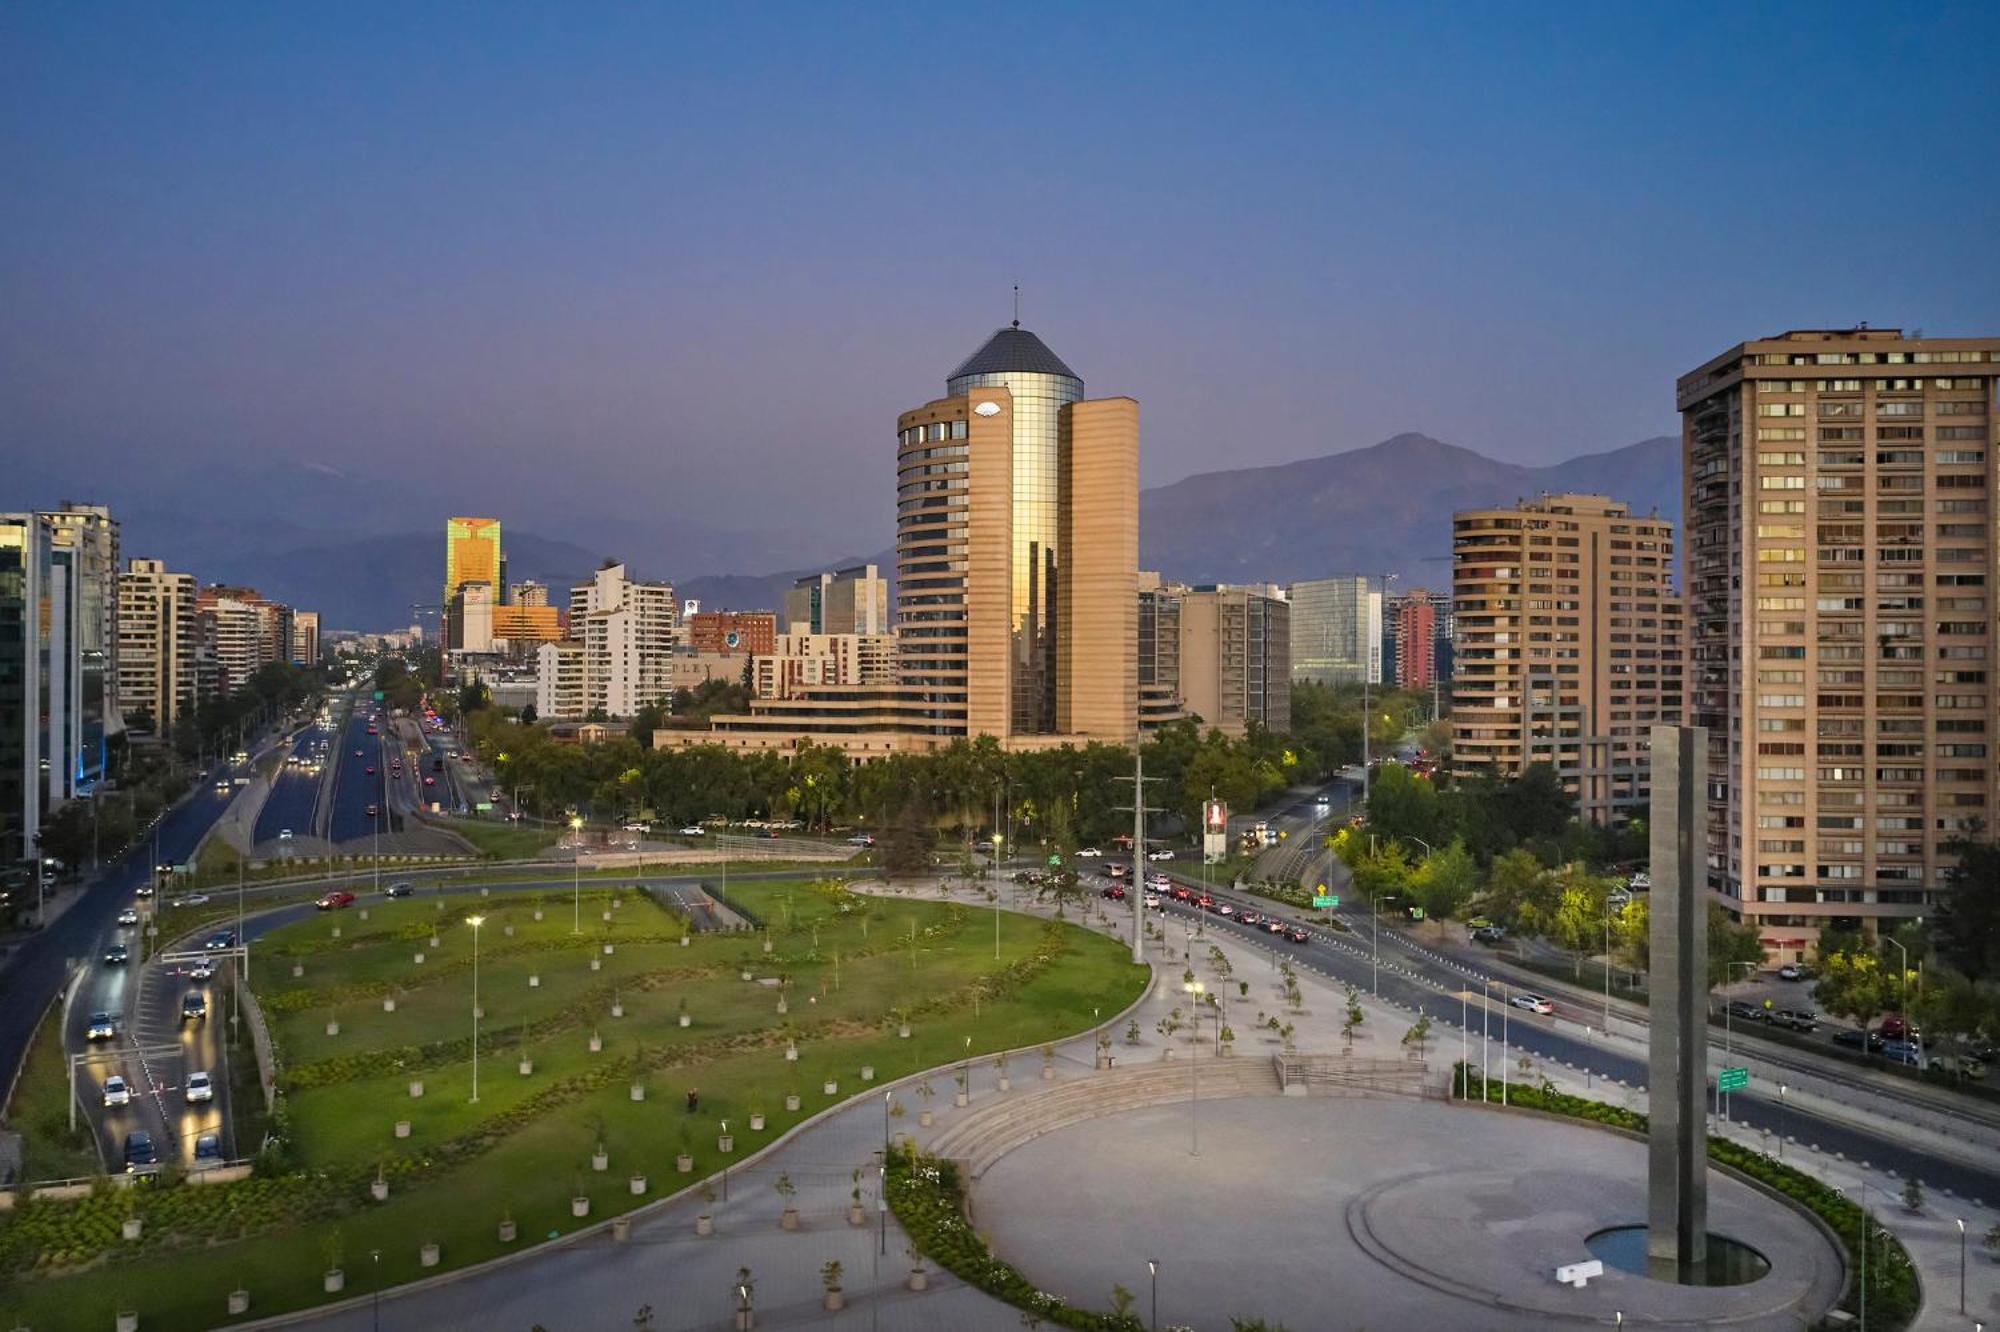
column 1017, row 551
column 1568, row 645
column 1840, row 559
column 158, row 632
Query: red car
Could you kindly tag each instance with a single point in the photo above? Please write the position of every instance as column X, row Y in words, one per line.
column 371, row 770
column 1182, row 894
column 1205, row 902
column 335, row 900
column 430, row 781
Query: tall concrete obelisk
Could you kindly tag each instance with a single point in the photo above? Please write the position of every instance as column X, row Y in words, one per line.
column 1677, row 1085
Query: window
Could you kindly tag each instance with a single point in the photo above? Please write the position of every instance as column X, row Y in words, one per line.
column 1781, row 409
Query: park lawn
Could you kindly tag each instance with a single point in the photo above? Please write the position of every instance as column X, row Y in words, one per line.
column 502, row 841
column 40, row 1111
column 531, row 1158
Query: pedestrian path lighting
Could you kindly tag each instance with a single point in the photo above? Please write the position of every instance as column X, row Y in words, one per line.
column 475, row 922
column 576, row 873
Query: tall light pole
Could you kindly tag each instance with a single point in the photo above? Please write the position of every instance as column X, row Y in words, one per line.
column 475, row 922
column 1961, row 1265
column 1194, row 991
column 576, row 873
column 1153, row 1275
column 1370, row 645
column 1903, row 976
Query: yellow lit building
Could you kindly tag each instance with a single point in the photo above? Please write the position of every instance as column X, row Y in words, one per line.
column 471, row 554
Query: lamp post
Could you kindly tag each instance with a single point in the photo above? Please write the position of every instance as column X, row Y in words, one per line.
column 1961, row 1265
column 576, row 873
column 1153, row 1275
column 1485, row 1031
column 1194, row 991
column 376, row 1318
column 475, row 922
column 1375, row 942
column 1903, row 976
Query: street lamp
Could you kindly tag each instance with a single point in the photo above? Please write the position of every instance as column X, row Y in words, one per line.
column 1375, row 942
column 1194, row 991
column 1903, row 976
column 576, row 873
column 1961, row 1265
column 475, row 922
column 1153, row 1275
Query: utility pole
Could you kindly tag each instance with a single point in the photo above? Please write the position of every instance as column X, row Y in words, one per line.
column 1136, row 890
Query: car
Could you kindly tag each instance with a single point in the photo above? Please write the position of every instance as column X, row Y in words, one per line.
column 371, row 811
column 1791, row 971
column 1152, row 901
column 116, row 1091
column 1116, row 892
column 192, row 899
column 371, row 770
column 1225, row 909
column 101, row 1027
column 1957, row 1066
column 399, row 890
column 1090, row 853
column 1866, row 1041
column 1796, row 1019
column 1322, row 801
column 357, row 753
column 1298, row 933
column 202, row 970
column 1641, row 882
column 1479, row 923
column 139, row 1151
column 335, row 900
column 1250, row 917
column 694, row 830
column 200, row 1088
column 1534, row 1003
column 116, row 956
column 861, row 839
column 1489, row 934
column 1745, row 1012
column 220, row 939
column 1896, row 1027
column 1202, row 901
column 144, row 890
column 223, row 788
column 284, row 834
column 208, row 1151
column 128, row 917
column 430, row 781
column 1162, row 854
column 1180, row 893
column 1116, row 871
column 1903, row 1052
column 194, row 1008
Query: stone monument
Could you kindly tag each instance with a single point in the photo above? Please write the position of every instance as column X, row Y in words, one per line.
column 1677, row 1058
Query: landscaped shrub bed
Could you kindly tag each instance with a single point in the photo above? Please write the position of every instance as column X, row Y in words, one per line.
column 1893, row 1291
column 929, row 1203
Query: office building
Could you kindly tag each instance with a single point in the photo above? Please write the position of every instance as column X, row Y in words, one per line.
column 1337, row 629
column 802, row 661
column 559, row 690
column 528, row 592
column 1569, row 645
column 1016, row 567
column 848, row 601
column 158, row 637
column 305, row 638
column 523, row 626
column 24, row 576
column 1840, row 559
column 471, row 555
column 732, row 633
column 468, row 620
column 1216, row 653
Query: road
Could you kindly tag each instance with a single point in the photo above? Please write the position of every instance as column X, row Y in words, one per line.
column 355, row 787
column 295, row 791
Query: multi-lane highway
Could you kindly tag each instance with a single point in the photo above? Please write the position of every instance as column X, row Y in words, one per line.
column 361, row 781
column 293, row 803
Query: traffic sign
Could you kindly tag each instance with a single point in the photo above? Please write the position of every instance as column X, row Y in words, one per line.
column 1732, row 1079
column 378, row 696
column 1324, row 900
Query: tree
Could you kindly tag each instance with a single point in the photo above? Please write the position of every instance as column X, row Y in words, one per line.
column 1519, row 891
column 1729, row 944
column 1403, row 805
column 1577, row 921
column 1853, row 985
column 905, row 845
column 1444, row 881
column 1968, row 914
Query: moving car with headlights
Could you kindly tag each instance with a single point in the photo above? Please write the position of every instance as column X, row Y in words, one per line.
column 335, row 900
column 194, row 1008
column 116, row 956
column 139, row 1151
column 200, row 1088
column 116, row 1092
column 1534, row 1003
column 129, row 916
column 102, row 1028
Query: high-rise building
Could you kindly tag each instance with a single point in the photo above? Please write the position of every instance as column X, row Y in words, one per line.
column 233, row 628
column 1569, row 645
column 559, row 687
column 1222, row 654
column 627, row 630
column 527, row 592
column 24, row 575
column 305, row 638
column 847, row 601
column 158, row 634
column 801, row 661
column 471, row 555
column 527, row 624
column 1413, row 619
column 1337, row 629
column 1017, row 539
column 1840, row 567
column 732, row 633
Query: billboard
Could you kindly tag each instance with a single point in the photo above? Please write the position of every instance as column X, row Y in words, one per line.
column 1214, row 831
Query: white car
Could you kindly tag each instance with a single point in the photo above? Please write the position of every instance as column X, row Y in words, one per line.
column 694, row 830
column 192, row 899
column 638, row 827
column 199, row 1088
column 1152, row 901
column 116, row 1092
column 1534, row 1003
column 1089, row 853
column 1641, row 882
column 1161, row 854
column 128, row 917
column 202, row 970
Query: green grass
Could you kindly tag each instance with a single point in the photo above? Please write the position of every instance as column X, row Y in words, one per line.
column 40, row 1111
column 525, row 1147
column 503, row 841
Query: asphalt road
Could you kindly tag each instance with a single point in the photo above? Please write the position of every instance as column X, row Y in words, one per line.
column 295, row 794
column 354, row 787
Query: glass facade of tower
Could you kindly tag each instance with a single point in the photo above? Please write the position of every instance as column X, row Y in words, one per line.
column 1038, row 402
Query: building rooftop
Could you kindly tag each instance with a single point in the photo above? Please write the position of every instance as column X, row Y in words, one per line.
column 1013, row 350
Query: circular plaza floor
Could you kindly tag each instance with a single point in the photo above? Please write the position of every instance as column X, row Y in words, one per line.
column 1332, row 1212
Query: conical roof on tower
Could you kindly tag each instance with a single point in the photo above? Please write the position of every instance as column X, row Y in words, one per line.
column 1013, row 350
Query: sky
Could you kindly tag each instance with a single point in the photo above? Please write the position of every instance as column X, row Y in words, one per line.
column 685, row 264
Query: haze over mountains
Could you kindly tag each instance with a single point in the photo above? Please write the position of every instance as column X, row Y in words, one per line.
column 363, row 553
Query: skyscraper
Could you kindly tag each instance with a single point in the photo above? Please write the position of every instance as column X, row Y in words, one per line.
column 158, row 634
column 854, row 600
column 1569, row 645
column 1337, row 629
column 471, row 555
column 1017, row 565
column 1840, row 561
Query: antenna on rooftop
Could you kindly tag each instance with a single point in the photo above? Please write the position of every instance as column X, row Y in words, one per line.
column 1017, row 305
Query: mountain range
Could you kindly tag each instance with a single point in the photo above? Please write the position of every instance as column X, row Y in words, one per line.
column 364, row 554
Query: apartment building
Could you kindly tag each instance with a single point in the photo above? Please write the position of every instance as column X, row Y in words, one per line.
column 1840, row 559
column 1221, row 654
column 1568, row 645
column 158, row 636
column 801, row 661
column 626, row 629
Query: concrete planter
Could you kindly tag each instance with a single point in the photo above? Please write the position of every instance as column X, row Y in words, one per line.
column 336, row 931
column 600, row 1160
column 607, row 950
column 749, row 974
column 919, row 1279
column 687, row 940
column 434, row 941
column 704, row 1225
column 597, row 964
column 756, row 1121
column 378, row 1189
column 684, row 1163
column 534, row 982
column 128, row 1320
column 506, row 1232
column 618, row 1010
column 904, row 1031
column 637, row 1184
column 538, row 915
column 725, row 1143
column 417, row 958
column 1048, row 1072
column 621, row 1229
column 402, row 1128
column 298, row 970
column 364, row 913
column 792, row 1101
column 239, row 1301
column 527, row 1066
column 835, row 1301
column 132, row 1227
column 868, row 1072
column 925, row 1119
column 427, row 1256
column 416, row 1088
column 783, row 1008
column 1006, row 1083
column 790, row 1220
column 791, row 1054
column 596, row 1043
column 334, row 1282
column 856, row 1215
column 638, row 1091
column 607, row 915
column 508, row 931
column 388, row 1005
column 831, row 1087
column 333, row 1029
column 767, row 945
column 579, row 1207
column 959, row 1099
column 686, row 1021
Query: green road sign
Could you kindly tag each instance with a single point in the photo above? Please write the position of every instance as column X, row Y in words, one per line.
column 378, row 696
column 1732, row 1079
column 1055, row 860
column 1324, row 900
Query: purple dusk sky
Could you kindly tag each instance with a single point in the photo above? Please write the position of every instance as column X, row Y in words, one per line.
column 691, row 260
